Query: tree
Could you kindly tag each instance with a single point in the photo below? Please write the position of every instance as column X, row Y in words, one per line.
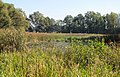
column 78, row 22
column 68, row 23
column 90, row 21
column 18, row 20
column 100, row 28
column 5, row 20
column 113, row 18
column 52, row 21
column 118, row 24
column 111, row 22
column 11, row 17
column 38, row 20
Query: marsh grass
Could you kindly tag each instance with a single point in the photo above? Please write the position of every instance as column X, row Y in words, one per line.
column 11, row 40
column 93, row 59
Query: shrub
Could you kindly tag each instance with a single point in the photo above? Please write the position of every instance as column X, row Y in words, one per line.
column 11, row 40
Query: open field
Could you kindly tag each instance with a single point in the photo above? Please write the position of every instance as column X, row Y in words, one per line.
column 61, row 55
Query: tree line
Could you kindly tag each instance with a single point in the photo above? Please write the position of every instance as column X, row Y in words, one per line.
column 90, row 22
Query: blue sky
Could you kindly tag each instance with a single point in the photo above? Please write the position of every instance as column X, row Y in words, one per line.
column 58, row 9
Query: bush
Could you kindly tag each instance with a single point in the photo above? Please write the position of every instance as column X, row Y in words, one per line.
column 11, row 40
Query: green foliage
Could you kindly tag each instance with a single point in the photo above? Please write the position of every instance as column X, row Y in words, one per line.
column 11, row 17
column 11, row 40
column 5, row 20
column 40, row 22
column 92, row 22
column 93, row 58
column 18, row 21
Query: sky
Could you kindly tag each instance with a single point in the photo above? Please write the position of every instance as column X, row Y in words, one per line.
column 58, row 9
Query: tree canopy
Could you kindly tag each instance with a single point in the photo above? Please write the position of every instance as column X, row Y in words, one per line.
column 12, row 17
column 91, row 22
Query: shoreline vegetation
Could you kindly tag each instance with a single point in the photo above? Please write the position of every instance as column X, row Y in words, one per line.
column 57, row 55
column 38, row 46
